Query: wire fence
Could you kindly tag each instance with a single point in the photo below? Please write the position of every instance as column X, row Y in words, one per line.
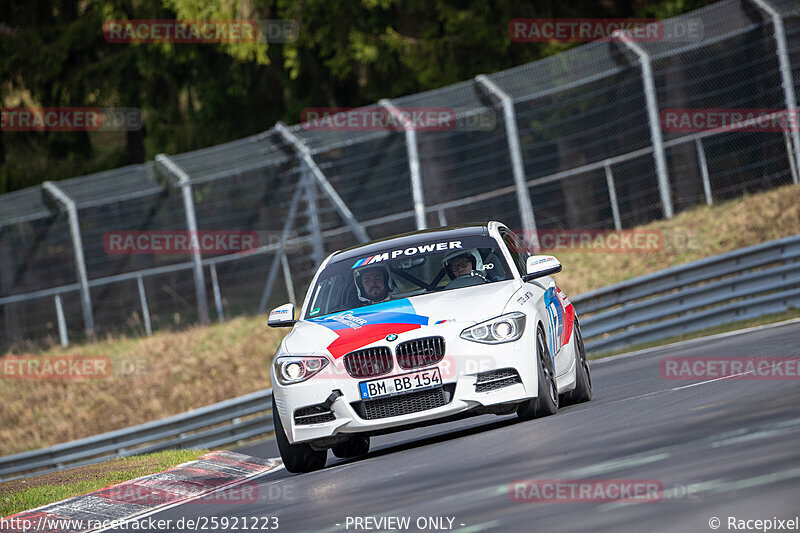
column 575, row 140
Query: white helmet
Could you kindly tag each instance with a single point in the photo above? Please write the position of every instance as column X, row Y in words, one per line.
column 391, row 286
column 470, row 253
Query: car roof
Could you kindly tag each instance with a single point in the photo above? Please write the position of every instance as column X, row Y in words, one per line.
column 407, row 239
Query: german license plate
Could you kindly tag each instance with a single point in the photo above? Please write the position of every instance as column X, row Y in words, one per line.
column 378, row 388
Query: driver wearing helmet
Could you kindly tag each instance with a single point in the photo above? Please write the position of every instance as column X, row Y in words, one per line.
column 463, row 263
column 374, row 284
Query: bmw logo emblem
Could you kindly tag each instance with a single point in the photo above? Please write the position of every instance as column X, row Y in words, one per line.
column 391, row 337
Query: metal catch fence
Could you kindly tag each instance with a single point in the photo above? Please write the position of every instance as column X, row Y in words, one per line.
column 575, row 140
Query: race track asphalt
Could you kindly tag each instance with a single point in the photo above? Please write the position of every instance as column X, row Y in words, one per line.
column 725, row 448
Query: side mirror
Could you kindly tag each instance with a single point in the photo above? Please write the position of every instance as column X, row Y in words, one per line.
column 541, row 265
column 282, row 317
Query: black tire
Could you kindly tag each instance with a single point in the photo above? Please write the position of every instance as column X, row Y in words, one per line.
column 353, row 447
column 546, row 403
column 297, row 458
column 583, row 378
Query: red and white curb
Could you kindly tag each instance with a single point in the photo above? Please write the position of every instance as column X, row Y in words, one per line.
column 217, row 477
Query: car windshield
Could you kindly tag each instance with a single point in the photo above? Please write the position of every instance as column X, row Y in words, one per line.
column 421, row 267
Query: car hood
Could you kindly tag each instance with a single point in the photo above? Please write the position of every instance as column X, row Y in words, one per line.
column 343, row 332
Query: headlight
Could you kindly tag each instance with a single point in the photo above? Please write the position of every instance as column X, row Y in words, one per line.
column 505, row 328
column 290, row 370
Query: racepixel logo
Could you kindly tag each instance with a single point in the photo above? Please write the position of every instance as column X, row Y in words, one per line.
column 200, row 31
column 394, row 254
column 71, row 119
column 179, row 242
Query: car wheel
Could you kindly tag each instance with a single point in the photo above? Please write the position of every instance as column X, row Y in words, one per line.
column 353, row 447
column 297, row 458
column 546, row 403
column 583, row 379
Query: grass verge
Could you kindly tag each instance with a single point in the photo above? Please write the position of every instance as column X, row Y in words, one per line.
column 150, row 378
column 691, row 235
column 28, row 493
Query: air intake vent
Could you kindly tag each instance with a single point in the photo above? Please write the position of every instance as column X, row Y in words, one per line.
column 405, row 404
column 496, row 379
column 420, row 352
column 369, row 362
column 313, row 414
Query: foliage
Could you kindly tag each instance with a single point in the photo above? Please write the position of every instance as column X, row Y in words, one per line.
column 348, row 53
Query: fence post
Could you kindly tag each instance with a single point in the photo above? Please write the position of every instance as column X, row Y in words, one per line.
column 287, row 278
column 442, row 218
column 145, row 309
column 276, row 261
column 792, row 166
column 612, row 194
column 317, row 246
column 217, row 293
column 191, row 222
column 701, row 156
column 413, row 162
column 62, row 322
column 517, row 167
column 77, row 246
column 305, row 154
column 656, row 136
column 786, row 72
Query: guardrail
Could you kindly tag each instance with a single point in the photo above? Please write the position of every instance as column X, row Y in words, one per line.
column 738, row 285
column 210, row 426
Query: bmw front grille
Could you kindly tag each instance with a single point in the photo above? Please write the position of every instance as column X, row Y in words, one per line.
column 369, row 362
column 422, row 352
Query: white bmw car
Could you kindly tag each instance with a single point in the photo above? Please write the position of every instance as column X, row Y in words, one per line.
column 422, row 328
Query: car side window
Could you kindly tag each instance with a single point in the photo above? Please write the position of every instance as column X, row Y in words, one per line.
column 519, row 251
column 496, row 272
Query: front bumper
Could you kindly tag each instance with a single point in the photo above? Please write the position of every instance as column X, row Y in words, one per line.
column 463, row 362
